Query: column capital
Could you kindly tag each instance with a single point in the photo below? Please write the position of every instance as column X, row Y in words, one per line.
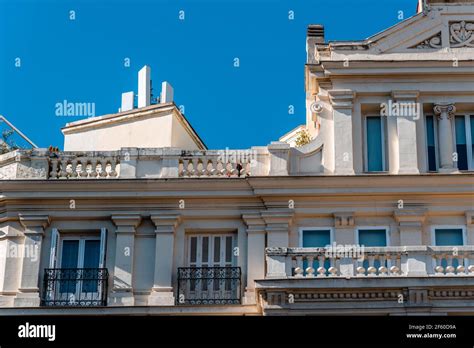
column 344, row 219
column 280, row 217
column 32, row 221
column 410, row 217
column 166, row 222
column 444, row 110
column 255, row 223
column 342, row 98
column 126, row 223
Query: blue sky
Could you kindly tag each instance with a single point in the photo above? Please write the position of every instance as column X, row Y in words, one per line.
column 82, row 60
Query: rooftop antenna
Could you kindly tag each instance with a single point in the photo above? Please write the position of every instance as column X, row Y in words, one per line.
column 3, row 119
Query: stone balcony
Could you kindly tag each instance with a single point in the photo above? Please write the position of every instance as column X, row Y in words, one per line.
column 127, row 163
column 392, row 280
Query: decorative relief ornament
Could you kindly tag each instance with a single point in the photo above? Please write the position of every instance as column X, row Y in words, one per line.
column 461, row 34
column 431, row 42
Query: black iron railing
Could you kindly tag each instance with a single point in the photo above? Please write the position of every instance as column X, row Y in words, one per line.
column 209, row 285
column 75, row 287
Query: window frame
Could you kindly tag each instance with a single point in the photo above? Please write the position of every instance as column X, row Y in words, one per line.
column 302, row 229
column 383, row 125
column 448, row 227
column 387, row 234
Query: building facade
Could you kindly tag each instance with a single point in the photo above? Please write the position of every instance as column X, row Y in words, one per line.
column 374, row 215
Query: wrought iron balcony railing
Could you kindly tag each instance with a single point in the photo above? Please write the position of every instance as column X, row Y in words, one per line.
column 209, row 285
column 75, row 287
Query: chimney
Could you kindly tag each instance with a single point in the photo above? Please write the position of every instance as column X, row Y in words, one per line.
column 316, row 31
column 127, row 101
column 314, row 36
column 144, row 87
column 166, row 93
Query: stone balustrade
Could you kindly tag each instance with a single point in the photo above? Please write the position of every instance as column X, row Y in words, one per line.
column 216, row 164
column 134, row 163
column 87, row 166
column 413, row 261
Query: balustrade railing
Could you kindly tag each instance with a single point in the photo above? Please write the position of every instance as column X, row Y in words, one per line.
column 371, row 262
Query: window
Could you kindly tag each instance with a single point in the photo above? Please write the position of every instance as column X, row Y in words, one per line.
column 375, row 130
column 211, row 250
column 431, row 139
column 80, row 253
column 461, row 145
column 316, row 238
column 372, row 237
column 449, row 236
column 206, row 251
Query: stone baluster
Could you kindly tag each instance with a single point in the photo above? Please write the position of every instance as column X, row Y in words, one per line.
column 54, row 169
column 299, row 271
column 310, row 269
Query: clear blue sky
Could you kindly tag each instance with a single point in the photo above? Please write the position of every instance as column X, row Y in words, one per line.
column 82, row 60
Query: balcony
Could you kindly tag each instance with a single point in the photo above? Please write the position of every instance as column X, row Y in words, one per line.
column 209, row 286
column 428, row 280
column 422, row 261
column 75, row 287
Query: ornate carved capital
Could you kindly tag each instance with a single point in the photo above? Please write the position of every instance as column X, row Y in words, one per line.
column 444, row 111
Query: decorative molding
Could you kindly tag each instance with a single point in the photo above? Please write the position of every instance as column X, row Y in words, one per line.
column 461, row 34
column 344, row 220
column 434, row 41
column 31, row 221
column 166, row 223
column 470, row 218
column 342, row 98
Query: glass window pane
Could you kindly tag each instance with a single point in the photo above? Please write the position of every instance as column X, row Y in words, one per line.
column 217, row 249
column 373, row 238
column 91, row 253
column 228, row 249
column 69, row 259
column 193, row 247
column 461, row 146
column 430, row 134
column 374, row 144
column 205, row 250
column 472, row 138
column 91, row 260
column 448, row 236
column 70, row 254
column 316, row 239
